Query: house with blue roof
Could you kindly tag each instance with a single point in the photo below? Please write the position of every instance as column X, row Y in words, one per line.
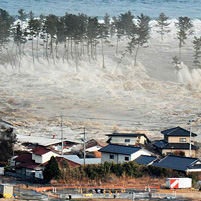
column 120, row 153
column 177, row 140
column 179, row 163
column 145, row 160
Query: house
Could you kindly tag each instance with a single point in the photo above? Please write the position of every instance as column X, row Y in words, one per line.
column 120, row 153
column 33, row 164
column 42, row 155
column 179, row 163
column 176, row 140
column 145, row 160
column 30, row 142
column 29, row 163
column 129, row 139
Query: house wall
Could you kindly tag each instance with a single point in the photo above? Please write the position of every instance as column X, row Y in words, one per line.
column 106, row 157
column 168, row 151
column 133, row 140
column 172, row 139
column 139, row 153
column 43, row 158
column 30, row 173
column 12, row 161
column 39, row 174
column 118, row 158
column 1, row 170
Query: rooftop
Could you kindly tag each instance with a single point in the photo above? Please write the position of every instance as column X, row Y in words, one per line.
column 145, row 160
column 178, row 131
column 176, row 162
column 40, row 150
column 120, row 149
column 25, row 158
column 76, row 159
column 126, row 134
column 165, row 145
column 39, row 140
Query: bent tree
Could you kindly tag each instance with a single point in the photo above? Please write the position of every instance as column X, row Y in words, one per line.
column 139, row 35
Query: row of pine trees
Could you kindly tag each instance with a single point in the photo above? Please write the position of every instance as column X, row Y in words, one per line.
column 75, row 37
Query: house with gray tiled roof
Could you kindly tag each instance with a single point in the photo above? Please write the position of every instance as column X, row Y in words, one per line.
column 179, row 163
column 145, row 160
column 176, row 140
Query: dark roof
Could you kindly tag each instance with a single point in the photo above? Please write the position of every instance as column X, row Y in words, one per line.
column 176, row 162
column 179, row 146
column 127, row 135
column 40, row 150
column 120, row 149
column 32, row 165
column 145, row 160
column 160, row 143
column 25, row 158
column 178, row 131
column 59, row 161
column 165, row 145
column 26, row 161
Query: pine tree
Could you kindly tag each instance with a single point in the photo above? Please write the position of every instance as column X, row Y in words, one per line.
column 22, row 15
column 7, row 141
column 139, row 34
column 162, row 24
column 197, row 49
column 52, row 170
column 5, row 26
column 184, row 26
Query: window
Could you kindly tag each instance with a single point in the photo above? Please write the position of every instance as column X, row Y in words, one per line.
column 127, row 140
column 182, row 139
column 111, row 156
column 126, row 158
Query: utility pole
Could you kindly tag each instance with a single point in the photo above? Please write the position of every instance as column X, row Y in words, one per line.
column 84, row 146
column 190, row 122
column 62, row 137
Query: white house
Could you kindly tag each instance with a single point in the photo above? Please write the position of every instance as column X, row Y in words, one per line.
column 119, row 153
column 129, row 139
column 31, row 164
column 42, row 155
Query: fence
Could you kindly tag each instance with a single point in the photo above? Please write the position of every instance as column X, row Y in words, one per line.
column 130, row 196
column 25, row 177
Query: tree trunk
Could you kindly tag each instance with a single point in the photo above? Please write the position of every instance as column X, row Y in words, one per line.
column 103, row 53
column 135, row 61
column 117, row 45
column 32, row 46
